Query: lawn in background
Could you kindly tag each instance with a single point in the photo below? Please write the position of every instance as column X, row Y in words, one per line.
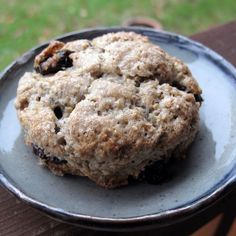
column 26, row 23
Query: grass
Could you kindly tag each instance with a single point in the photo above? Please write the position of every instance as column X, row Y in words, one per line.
column 24, row 24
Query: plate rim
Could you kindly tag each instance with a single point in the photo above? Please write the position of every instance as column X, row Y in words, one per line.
column 225, row 185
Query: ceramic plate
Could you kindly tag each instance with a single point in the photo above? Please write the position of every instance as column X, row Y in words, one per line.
column 206, row 175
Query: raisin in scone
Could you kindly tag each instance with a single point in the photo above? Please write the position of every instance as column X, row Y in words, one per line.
column 107, row 108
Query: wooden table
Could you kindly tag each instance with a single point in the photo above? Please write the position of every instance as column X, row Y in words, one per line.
column 16, row 218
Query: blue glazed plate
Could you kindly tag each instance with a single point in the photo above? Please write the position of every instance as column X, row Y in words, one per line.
column 207, row 174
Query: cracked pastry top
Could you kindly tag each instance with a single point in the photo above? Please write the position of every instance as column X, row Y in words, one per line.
column 106, row 108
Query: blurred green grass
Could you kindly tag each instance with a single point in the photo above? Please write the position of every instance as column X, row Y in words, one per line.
column 25, row 23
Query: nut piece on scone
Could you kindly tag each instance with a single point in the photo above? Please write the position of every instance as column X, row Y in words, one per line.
column 108, row 108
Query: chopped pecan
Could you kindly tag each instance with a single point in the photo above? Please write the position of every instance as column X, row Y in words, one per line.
column 52, row 59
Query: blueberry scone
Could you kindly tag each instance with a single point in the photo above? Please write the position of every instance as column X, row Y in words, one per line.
column 108, row 108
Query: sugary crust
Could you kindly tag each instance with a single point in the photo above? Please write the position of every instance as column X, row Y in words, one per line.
column 123, row 103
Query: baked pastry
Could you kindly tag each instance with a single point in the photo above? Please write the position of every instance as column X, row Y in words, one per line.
column 107, row 108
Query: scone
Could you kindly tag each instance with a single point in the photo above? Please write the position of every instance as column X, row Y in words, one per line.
column 107, row 108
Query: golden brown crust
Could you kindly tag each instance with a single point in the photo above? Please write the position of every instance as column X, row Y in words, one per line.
column 123, row 103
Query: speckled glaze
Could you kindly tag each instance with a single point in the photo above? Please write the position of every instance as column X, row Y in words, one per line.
column 208, row 173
